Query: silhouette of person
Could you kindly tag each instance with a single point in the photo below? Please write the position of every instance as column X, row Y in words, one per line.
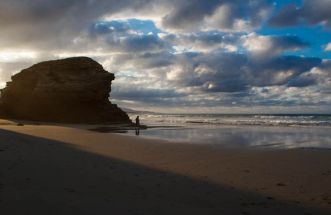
column 137, row 125
column 137, row 122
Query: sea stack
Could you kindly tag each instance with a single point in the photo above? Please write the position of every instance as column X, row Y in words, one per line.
column 72, row 90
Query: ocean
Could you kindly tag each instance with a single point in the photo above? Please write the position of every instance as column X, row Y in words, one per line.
column 240, row 130
column 214, row 120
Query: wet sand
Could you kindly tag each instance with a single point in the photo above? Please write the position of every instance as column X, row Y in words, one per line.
column 54, row 169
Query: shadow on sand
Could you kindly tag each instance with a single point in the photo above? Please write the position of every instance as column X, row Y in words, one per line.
column 42, row 176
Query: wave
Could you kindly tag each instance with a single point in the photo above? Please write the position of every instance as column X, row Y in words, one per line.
column 236, row 120
column 264, row 123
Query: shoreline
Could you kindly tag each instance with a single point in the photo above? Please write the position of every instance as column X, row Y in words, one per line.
column 59, row 159
column 258, row 120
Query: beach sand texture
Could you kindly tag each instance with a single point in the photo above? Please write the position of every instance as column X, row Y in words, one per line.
column 58, row 169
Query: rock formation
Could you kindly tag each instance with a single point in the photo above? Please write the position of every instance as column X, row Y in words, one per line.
column 72, row 90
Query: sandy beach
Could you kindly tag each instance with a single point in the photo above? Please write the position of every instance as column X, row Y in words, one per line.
column 61, row 169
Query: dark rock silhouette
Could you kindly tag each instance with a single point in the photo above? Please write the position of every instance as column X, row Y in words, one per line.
column 72, row 90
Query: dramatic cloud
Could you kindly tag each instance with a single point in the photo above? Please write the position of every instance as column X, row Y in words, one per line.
column 121, row 36
column 264, row 46
column 231, row 72
column 225, row 15
column 44, row 23
column 311, row 12
column 204, row 41
column 302, row 81
column 210, row 55
column 214, row 74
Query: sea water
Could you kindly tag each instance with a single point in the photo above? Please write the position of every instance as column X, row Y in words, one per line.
column 241, row 130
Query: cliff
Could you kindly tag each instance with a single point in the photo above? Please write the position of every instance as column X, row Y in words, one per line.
column 72, row 90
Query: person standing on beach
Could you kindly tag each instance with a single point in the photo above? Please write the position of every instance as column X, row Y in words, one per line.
column 137, row 125
column 137, row 122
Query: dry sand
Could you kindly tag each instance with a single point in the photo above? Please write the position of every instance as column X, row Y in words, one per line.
column 53, row 169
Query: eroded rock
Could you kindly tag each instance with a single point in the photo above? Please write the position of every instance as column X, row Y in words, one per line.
column 73, row 90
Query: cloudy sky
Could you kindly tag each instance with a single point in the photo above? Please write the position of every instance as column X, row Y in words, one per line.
column 184, row 55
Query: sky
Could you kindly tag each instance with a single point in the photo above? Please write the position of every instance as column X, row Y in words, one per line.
column 185, row 56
